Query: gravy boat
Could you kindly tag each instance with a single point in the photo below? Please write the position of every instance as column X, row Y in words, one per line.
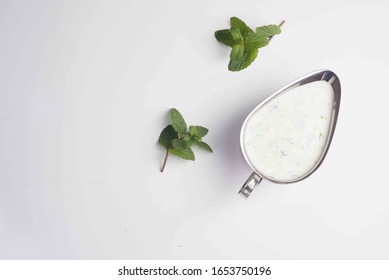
column 320, row 75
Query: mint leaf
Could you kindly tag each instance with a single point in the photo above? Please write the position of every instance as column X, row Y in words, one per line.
column 243, row 28
column 185, row 153
column 204, row 146
column 179, row 144
column 177, row 139
column 236, row 35
column 187, row 137
column 254, row 41
column 196, row 138
column 244, row 42
column 243, row 62
column 224, row 36
column 178, row 121
column 268, row 30
column 236, row 52
column 198, row 130
column 167, row 135
column 192, row 130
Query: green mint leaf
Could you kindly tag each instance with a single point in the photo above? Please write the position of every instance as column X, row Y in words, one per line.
column 179, row 144
column 187, row 137
column 186, row 153
column 236, row 52
column 245, row 42
column 244, row 61
column 204, row 146
column 177, row 121
column 192, row 130
column 178, row 141
column 236, row 35
column 198, row 130
column 167, row 135
column 224, row 36
column 268, row 30
column 255, row 41
column 243, row 28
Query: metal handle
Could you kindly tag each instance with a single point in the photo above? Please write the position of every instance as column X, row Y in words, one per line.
column 251, row 183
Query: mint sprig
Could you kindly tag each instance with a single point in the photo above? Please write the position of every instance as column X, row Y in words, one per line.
column 244, row 42
column 177, row 139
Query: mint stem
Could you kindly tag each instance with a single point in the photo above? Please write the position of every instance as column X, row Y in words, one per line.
column 280, row 25
column 164, row 161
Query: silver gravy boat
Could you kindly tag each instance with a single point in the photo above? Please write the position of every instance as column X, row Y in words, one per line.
column 319, row 75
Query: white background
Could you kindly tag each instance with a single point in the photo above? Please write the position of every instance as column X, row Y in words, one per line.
column 85, row 87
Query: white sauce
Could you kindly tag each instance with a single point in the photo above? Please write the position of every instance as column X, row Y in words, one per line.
column 285, row 137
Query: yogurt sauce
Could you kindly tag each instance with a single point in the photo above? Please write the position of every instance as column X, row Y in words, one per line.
column 284, row 138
